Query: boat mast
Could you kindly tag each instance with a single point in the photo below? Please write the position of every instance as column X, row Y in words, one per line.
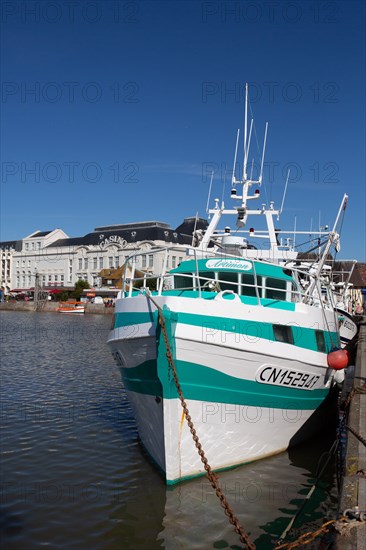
column 332, row 239
column 243, row 212
column 245, row 134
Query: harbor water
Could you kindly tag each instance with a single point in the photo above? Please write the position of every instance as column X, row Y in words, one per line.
column 73, row 474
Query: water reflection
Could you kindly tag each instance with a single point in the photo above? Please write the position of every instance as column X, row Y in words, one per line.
column 74, row 474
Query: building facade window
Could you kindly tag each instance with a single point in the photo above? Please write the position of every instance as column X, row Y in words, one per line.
column 95, row 263
column 151, row 260
column 85, row 263
column 80, row 263
column 101, row 262
column 110, row 261
column 143, row 260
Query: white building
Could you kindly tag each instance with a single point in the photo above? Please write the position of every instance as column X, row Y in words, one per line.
column 33, row 256
column 7, row 250
column 61, row 261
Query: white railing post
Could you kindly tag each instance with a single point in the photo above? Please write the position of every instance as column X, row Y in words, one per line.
column 197, row 275
column 161, row 282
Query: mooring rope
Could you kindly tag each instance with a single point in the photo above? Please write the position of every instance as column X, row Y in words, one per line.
column 244, row 537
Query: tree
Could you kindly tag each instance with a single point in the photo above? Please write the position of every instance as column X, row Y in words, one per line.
column 80, row 285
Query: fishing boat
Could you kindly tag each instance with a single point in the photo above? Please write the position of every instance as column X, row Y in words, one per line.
column 71, row 308
column 238, row 336
column 343, row 304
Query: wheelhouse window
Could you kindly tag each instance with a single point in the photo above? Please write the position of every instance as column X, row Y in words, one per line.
column 205, row 278
column 275, row 289
column 228, row 281
column 248, row 284
column 283, row 333
column 183, row 282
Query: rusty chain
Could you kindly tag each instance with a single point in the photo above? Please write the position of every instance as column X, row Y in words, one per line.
column 357, row 435
column 308, row 537
column 304, row 539
column 244, row 537
column 354, row 391
column 347, row 520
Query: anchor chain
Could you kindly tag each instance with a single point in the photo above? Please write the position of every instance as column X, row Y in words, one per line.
column 352, row 393
column 349, row 519
column 357, row 435
column 244, row 538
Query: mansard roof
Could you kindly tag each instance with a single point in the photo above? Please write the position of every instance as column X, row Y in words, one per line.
column 40, row 234
column 6, row 245
column 137, row 232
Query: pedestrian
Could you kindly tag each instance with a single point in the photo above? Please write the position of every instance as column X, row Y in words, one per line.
column 359, row 309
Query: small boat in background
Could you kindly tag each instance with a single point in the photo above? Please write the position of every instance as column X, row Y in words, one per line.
column 71, row 307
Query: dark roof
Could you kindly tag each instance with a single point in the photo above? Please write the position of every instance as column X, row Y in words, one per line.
column 191, row 224
column 40, row 234
column 134, row 225
column 136, row 232
column 17, row 245
column 358, row 278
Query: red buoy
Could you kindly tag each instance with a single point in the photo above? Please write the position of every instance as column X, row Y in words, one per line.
column 338, row 359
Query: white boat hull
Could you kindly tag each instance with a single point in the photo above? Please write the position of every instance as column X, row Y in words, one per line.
column 231, row 383
column 347, row 326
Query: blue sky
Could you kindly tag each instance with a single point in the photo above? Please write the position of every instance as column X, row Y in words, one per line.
column 114, row 112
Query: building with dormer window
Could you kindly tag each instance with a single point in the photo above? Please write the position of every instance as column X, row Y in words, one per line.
column 61, row 261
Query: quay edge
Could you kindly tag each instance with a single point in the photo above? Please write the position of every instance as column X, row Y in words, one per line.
column 51, row 307
column 353, row 489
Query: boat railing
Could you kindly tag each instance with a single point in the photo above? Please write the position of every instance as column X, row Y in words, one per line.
column 161, row 279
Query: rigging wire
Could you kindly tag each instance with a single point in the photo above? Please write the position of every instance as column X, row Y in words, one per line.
column 259, row 151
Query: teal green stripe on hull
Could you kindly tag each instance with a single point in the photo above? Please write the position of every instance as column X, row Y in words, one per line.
column 201, row 383
column 142, row 379
column 303, row 337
